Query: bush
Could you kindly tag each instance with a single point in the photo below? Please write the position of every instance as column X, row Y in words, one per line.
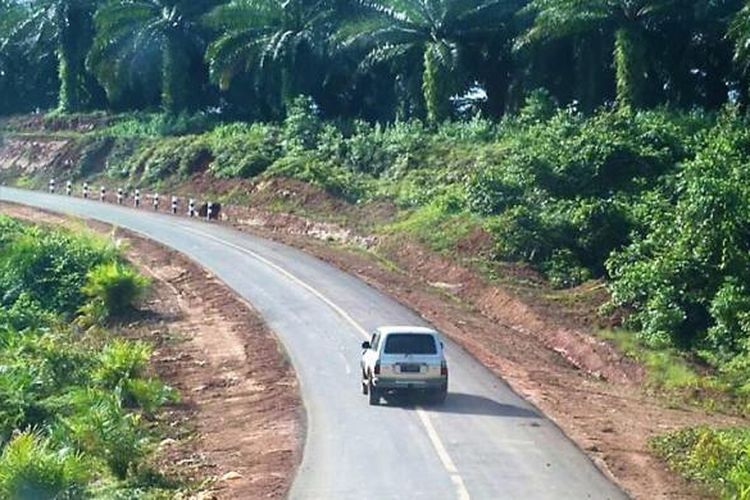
column 78, row 392
column 302, row 125
column 688, row 270
column 49, row 268
column 243, row 151
column 121, row 361
column 115, row 285
column 563, row 270
column 102, row 429
column 717, row 457
column 31, row 468
column 26, row 314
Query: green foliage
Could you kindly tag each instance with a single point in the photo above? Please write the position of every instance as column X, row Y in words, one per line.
column 85, row 396
column 242, row 151
column 539, row 106
column 31, row 467
column 101, row 428
column 276, row 42
column 149, row 125
column 49, row 267
column 629, row 63
column 116, row 285
column 121, row 361
column 152, row 33
column 302, row 125
column 718, row 457
column 428, row 37
column 624, row 20
column 687, row 270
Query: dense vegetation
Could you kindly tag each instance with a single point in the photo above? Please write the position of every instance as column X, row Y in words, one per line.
column 369, row 59
column 77, row 402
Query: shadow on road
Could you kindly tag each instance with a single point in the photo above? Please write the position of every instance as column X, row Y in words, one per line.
column 462, row 404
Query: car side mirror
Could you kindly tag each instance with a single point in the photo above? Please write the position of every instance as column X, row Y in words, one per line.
column 365, row 345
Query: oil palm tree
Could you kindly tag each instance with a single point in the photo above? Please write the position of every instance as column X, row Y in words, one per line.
column 435, row 31
column 739, row 32
column 133, row 34
column 64, row 28
column 627, row 20
column 263, row 37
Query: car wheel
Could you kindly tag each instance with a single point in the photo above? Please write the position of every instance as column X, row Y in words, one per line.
column 439, row 396
column 374, row 394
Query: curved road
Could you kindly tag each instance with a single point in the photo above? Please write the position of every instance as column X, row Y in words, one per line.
column 486, row 442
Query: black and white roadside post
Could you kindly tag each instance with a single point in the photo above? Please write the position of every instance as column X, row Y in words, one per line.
column 103, row 194
column 137, row 198
column 86, row 190
column 156, row 201
column 52, row 186
column 69, row 188
column 174, row 205
column 209, row 210
column 191, row 208
column 119, row 196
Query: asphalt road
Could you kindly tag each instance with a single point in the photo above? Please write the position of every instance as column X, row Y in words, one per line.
column 485, row 442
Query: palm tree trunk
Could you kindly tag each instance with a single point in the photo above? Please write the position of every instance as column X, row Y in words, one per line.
column 174, row 84
column 630, row 67
column 435, row 87
column 288, row 87
column 68, row 67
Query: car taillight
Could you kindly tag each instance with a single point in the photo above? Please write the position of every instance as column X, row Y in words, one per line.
column 377, row 368
column 443, row 369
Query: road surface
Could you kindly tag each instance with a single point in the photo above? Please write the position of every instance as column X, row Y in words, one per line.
column 485, row 442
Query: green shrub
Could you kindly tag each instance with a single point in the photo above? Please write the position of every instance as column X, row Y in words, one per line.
column 49, row 267
column 159, row 125
column 78, row 391
column 117, row 286
column 717, row 457
column 332, row 177
column 563, row 270
column 32, row 469
column 242, row 151
column 147, row 394
column 102, row 429
column 121, row 361
column 688, row 269
column 26, row 314
column 302, row 125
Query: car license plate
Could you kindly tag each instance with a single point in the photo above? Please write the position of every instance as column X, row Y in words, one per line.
column 411, row 368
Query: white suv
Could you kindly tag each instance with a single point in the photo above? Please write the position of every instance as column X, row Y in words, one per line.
column 404, row 358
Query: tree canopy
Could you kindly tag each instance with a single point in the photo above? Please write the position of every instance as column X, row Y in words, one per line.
column 371, row 59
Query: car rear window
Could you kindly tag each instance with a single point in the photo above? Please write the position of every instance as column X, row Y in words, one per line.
column 410, row 343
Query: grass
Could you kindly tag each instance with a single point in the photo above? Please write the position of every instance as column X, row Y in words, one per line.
column 681, row 379
column 718, row 458
column 432, row 226
column 666, row 368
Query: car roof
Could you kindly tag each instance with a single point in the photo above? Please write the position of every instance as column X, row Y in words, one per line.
column 385, row 330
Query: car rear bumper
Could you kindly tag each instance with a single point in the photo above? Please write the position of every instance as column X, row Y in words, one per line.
column 392, row 384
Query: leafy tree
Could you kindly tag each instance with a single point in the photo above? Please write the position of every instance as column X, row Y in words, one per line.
column 132, row 34
column 268, row 37
column 628, row 20
column 435, row 30
column 62, row 27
